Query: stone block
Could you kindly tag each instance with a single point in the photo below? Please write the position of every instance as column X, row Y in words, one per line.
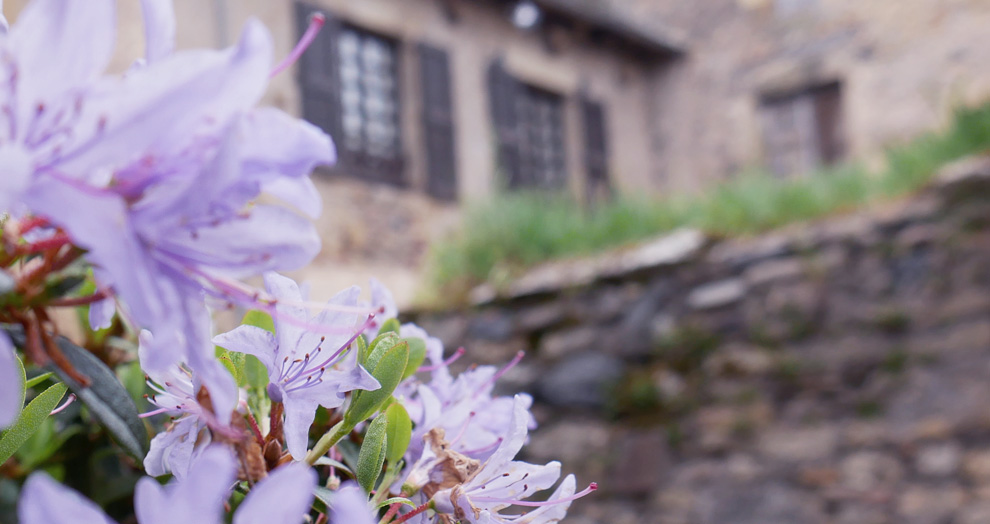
column 976, row 466
column 739, row 359
column 582, row 381
column 493, row 324
column 558, row 344
column 938, row 460
column 929, row 504
column 717, row 294
column 774, row 270
column 641, row 460
column 964, row 179
column 870, row 470
column 538, row 318
column 799, row 444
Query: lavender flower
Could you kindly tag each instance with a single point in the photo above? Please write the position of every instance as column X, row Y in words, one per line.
column 49, row 62
column 305, row 369
column 284, row 496
column 176, row 393
column 153, row 172
column 350, row 506
column 500, row 482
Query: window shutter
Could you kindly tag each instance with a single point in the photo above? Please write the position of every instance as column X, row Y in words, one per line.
column 503, row 91
column 318, row 73
column 438, row 122
column 595, row 148
column 828, row 118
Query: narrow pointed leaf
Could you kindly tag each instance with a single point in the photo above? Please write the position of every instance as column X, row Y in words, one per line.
column 362, row 349
column 372, row 454
column 30, row 420
column 106, row 398
column 395, row 500
column 399, row 432
column 390, row 326
column 36, row 380
column 327, row 461
column 379, row 346
column 417, row 354
column 258, row 318
column 388, row 372
column 325, row 496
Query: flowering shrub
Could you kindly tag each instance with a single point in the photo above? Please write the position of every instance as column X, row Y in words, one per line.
column 133, row 199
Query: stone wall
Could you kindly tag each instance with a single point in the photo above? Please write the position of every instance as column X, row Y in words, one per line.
column 834, row 372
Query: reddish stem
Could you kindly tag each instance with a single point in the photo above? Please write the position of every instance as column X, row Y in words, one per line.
column 30, row 223
column 411, row 514
column 255, row 429
column 79, row 301
column 53, row 242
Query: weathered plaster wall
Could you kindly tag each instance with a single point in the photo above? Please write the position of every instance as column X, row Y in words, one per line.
column 903, row 66
column 833, row 372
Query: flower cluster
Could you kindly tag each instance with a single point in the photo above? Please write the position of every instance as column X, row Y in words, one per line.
column 137, row 196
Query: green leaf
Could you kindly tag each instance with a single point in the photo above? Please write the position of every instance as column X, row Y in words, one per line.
column 23, row 380
column 395, row 500
column 132, row 377
column 258, row 318
column 348, row 453
column 234, row 362
column 399, row 432
column 36, row 380
column 371, row 458
column 30, row 420
column 362, row 349
column 44, row 443
column 417, row 354
column 390, row 326
column 379, row 346
column 325, row 496
column 388, row 372
column 105, row 397
column 255, row 373
column 327, row 461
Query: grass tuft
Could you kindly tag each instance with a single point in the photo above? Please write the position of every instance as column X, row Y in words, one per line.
column 514, row 231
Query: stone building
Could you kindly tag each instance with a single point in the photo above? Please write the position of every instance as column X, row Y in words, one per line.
column 434, row 104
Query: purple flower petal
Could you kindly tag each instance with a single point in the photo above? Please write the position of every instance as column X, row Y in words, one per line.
column 350, row 506
column 299, row 415
column 250, row 340
column 101, row 313
column 60, row 44
column 174, row 450
column 284, row 496
column 159, row 28
column 197, row 499
column 44, row 501
column 155, row 110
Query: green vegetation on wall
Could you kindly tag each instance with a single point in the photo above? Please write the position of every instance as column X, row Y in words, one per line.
column 517, row 230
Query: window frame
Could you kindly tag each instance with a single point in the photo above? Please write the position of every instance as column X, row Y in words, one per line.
column 817, row 130
column 324, row 87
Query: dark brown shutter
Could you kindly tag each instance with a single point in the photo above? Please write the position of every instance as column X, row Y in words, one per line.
column 595, row 148
column 828, row 119
column 503, row 91
column 318, row 73
column 438, row 122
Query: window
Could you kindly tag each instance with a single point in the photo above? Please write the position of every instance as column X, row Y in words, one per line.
column 529, row 132
column 349, row 79
column 369, row 97
column 802, row 130
column 541, row 121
